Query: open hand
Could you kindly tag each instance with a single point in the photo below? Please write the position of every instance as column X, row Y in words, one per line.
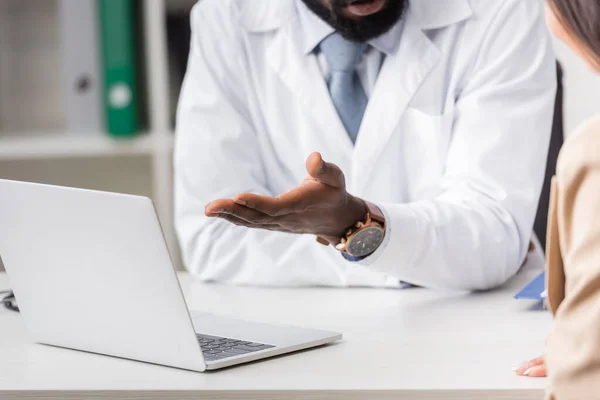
column 320, row 205
column 535, row 368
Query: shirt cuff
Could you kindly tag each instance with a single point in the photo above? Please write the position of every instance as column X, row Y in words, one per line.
column 371, row 258
column 350, row 258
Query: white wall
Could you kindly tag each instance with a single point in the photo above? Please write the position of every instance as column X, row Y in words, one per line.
column 581, row 85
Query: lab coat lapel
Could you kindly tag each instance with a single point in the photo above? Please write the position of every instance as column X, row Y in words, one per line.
column 399, row 79
column 301, row 74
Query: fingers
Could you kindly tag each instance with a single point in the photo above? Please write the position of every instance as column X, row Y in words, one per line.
column 224, row 208
column 303, row 197
column 237, row 216
column 538, row 371
column 313, row 164
column 532, row 368
column 215, row 205
column 308, row 179
column 308, row 195
column 270, row 206
column 240, row 222
column 327, row 173
column 520, row 369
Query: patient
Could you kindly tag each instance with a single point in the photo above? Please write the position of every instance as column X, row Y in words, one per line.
column 572, row 356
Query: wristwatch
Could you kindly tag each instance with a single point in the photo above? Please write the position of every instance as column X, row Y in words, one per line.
column 365, row 236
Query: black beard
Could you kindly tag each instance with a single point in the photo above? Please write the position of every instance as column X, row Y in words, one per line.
column 359, row 29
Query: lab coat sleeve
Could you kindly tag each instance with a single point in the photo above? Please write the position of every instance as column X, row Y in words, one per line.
column 217, row 156
column 475, row 234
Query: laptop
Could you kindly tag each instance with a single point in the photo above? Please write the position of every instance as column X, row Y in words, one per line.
column 91, row 271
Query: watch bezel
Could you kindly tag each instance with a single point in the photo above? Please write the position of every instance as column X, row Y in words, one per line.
column 363, row 230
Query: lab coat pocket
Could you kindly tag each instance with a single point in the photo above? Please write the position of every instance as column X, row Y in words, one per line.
column 426, row 139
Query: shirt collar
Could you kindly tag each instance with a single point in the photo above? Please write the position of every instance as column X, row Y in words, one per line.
column 314, row 30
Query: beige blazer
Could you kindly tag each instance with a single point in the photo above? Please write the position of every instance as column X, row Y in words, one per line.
column 573, row 269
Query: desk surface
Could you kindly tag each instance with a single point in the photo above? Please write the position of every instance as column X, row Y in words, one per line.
column 414, row 343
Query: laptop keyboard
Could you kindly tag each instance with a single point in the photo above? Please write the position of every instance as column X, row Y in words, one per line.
column 216, row 348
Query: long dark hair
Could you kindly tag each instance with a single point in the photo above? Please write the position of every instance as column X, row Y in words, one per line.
column 582, row 19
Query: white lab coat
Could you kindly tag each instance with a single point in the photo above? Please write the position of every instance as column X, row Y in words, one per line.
column 452, row 145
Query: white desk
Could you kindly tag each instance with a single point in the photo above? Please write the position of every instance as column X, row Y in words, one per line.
column 400, row 344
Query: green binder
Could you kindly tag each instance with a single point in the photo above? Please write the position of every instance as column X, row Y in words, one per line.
column 117, row 32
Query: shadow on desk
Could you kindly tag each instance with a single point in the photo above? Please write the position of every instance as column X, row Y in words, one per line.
column 495, row 309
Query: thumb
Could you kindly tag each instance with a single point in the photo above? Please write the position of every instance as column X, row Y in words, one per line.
column 326, row 173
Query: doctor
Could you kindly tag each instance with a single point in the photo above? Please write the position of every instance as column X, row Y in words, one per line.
column 411, row 136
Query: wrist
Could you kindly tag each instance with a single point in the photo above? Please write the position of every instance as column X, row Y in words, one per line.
column 358, row 210
column 367, row 234
column 354, row 212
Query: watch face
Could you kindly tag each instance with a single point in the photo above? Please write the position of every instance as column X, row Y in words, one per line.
column 365, row 242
